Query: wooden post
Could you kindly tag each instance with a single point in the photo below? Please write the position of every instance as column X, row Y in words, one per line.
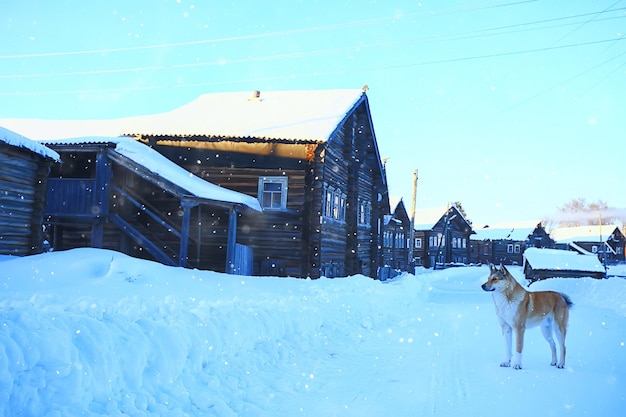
column 412, row 231
column 100, row 210
column 184, row 238
column 232, row 241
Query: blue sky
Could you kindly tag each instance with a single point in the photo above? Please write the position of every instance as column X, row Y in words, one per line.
column 513, row 108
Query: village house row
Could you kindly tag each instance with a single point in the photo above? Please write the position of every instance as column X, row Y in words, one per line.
column 265, row 183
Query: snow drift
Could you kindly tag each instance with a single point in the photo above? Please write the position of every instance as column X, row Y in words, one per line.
column 94, row 332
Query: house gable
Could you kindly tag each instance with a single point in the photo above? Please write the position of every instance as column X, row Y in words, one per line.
column 445, row 234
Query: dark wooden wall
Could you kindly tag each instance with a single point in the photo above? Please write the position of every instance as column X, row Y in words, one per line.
column 277, row 238
column 23, row 181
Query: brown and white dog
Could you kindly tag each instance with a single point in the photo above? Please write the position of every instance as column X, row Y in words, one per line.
column 517, row 309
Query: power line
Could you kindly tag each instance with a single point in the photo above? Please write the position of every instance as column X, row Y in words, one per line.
column 461, row 36
column 328, row 73
column 580, row 74
column 586, row 22
column 255, row 36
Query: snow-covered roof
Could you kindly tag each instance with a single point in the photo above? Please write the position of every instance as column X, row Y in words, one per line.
column 561, row 260
column 304, row 115
column 506, row 231
column 393, row 202
column 15, row 139
column 590, row 233
column 492, row 233
column 160, row 165
column 426, row 218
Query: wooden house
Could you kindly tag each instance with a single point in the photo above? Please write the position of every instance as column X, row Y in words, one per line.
column 505, row 243
column 119, row 194
column 441, row 237
column 396, row 235
column 555, row 263
column 309, row 157
column 312, row 160
column 24, row 169
column 605, row 241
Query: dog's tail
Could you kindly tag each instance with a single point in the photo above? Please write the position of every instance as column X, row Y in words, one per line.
column 568, row 300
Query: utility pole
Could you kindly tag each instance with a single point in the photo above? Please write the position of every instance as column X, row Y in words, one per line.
column 602, row 244
column 412, row 231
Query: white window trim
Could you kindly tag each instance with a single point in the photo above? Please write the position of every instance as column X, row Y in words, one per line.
column 334, row 205
column 284, row 189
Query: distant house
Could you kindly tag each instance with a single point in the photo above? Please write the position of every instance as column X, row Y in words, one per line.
column 119, row 194
column 309, row 157
column 396, row 234
column 24, row 169
column 505, row 243
column 555, row 263
column 605, row 241
column 441, row 237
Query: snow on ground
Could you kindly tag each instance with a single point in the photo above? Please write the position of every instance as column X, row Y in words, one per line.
column 94, row 332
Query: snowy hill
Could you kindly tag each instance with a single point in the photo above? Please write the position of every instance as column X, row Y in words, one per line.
column 94, row 332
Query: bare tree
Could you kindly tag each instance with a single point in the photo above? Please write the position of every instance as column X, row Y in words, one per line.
column 459, row 207
column 578, row 212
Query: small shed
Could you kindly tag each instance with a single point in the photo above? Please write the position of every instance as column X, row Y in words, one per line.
column 24, row 169
column 555, row 263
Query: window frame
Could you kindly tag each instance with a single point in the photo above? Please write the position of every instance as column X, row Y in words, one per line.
column 283, row 181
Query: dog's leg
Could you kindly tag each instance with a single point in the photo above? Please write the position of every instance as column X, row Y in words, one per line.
column 519, row 345
column 560, row 330
column 546, row 330
column 507, row 333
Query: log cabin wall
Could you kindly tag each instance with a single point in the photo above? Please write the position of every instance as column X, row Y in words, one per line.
column 278, row 238
column 351, row 244
column 335, row 233
column 23, row 182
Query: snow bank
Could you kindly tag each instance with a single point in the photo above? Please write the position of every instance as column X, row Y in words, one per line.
column 94, row 332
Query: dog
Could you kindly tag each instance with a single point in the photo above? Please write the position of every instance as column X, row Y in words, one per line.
column 517, row 309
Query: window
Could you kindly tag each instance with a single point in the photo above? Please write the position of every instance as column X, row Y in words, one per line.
column 509, row 248
column 399, row 240
column 273, row 193
column 387, row 239
column 328, row 202
column 334, row 204
column 518, row 248
column 418, row 243
column 436, row 241
column 365, row 208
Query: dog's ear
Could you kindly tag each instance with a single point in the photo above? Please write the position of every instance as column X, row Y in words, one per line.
column 503, row 268
column 492, row 268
